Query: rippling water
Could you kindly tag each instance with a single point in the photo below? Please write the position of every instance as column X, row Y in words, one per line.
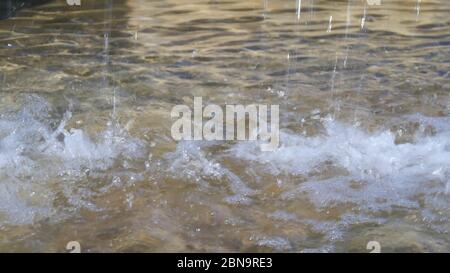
column 85, row 147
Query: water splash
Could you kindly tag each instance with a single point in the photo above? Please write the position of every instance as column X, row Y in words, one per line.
column 330, row 24
column 371, row 171
column 190, row 162
column 417, row 9
column 363, row 19
column 347, row 27
column 299, row 9
column 36, row 157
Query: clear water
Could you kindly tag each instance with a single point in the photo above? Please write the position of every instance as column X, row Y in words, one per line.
column 86, row 152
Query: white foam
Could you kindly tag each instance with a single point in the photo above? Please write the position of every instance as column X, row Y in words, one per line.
column 33, row 156
column 277, row 243
column 362, row 154
column 190, row 162
column 388, row 175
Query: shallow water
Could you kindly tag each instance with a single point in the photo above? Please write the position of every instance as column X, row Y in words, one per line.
column 85, row 147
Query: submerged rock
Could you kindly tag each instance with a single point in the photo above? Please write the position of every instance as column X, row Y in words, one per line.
column 9, row 7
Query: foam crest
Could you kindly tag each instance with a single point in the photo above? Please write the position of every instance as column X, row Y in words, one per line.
column 372, row 156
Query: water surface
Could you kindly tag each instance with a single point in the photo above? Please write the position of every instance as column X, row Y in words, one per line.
column 86, row 152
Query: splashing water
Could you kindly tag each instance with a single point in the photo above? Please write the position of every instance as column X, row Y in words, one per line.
column 369, row 171
column 376, row 170
column 34, row 155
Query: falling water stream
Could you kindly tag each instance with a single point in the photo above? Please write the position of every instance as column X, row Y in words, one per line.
column 86, row 152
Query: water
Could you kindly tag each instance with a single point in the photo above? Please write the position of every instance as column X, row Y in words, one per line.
column 86, row 152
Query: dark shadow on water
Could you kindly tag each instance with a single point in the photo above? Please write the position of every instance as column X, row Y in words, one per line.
column 9, row 7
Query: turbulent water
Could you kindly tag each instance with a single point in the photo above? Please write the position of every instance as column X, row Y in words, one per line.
column 86, row 152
